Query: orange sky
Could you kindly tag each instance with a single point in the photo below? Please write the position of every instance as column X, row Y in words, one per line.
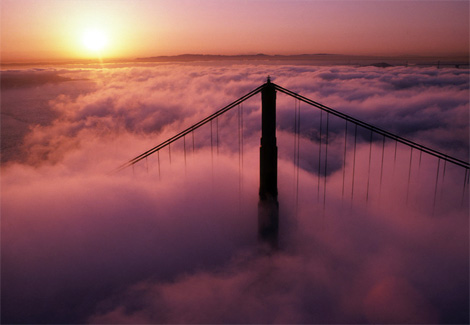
column 53, row 29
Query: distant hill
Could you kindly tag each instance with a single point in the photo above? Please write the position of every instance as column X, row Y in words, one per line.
column 250, row 57
column 319, row 59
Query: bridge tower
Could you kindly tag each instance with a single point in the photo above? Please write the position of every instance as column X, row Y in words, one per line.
column 268, row 206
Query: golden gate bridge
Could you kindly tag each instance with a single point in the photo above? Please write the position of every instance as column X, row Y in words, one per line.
column 268, row 206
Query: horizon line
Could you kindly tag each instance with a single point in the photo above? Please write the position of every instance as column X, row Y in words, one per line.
column 214, row 57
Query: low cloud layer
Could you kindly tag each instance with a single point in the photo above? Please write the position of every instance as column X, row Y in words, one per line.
column 173, row 239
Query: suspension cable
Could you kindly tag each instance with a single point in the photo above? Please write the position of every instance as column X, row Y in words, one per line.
column 375, row 129
column 397, row 138
column 191, row 128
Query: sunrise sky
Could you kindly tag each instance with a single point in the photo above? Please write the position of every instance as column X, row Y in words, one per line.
column 56, row 29
column 371, row 229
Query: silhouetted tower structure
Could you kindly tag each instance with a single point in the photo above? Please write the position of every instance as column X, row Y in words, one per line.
column 268, row 206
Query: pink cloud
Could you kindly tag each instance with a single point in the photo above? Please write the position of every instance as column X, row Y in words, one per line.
column 79, row 245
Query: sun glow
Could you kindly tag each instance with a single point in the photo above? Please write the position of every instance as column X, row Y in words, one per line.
column 95, row 40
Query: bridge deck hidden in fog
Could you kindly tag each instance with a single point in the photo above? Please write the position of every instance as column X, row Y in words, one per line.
column 268, row 206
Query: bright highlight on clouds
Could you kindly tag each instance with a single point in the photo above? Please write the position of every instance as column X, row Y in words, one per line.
column 174, row 241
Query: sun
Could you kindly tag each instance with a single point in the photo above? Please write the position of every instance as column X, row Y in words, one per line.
column 95, row 40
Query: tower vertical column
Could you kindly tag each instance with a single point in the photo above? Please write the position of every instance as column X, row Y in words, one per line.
column 268, row 206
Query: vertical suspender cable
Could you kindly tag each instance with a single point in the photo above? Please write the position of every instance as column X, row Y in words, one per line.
column 344, row 156
column 382, row 167
column 443, row 176
column 147, row 164
column 239, row 138
column 419, row 164
column 464, row 186
column 326, row 161
column 192, row 134
column 409, row 176
column 241, row 126
column 239, row 141
column 319, row 157
column 295, row 146
column 395, row 157
column 239, row 159
column 444, row 171
column 217, row 133
column 184, row 148
column 169, row 152
column 298, row 157
column 468, row 179
column 435, row 188
column 354, row 162
column 159, row 173
column 212, row 157
column 212, row 144
column 241, row 148
column 465, row 183
column 368, row 171
column 212, row 150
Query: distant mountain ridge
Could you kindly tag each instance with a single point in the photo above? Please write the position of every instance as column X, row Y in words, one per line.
column 382, row 61
column 219, row 57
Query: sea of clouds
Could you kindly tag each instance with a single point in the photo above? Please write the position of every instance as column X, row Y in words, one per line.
column 174, row 240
